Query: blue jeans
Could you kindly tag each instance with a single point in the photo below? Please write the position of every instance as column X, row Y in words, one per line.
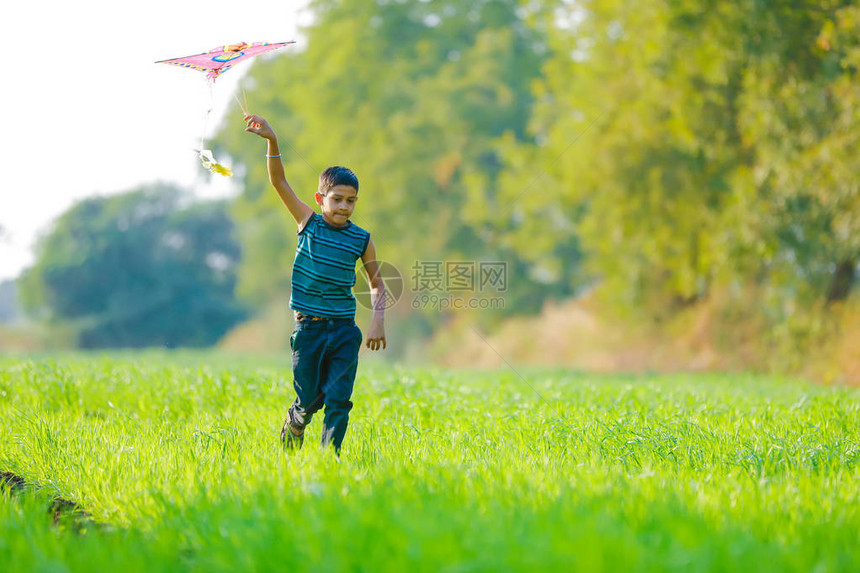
column 325, row 358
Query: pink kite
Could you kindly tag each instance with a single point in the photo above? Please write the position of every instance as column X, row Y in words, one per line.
column 214, row 63
column 217, row 61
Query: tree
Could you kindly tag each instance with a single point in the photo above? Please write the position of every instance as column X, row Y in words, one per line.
column 718, row 148
column 144, row 268
column 9, row 311
column 801, row 109
column 412, row 96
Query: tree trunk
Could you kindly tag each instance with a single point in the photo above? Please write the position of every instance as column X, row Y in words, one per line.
column 842, row 281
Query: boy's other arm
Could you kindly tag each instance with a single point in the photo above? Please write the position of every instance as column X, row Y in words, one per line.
column 300, row 211
column 376, row 332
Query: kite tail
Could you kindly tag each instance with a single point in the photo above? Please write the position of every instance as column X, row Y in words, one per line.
column 205, row 155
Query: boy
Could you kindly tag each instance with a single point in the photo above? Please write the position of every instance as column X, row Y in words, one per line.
column 326, row 341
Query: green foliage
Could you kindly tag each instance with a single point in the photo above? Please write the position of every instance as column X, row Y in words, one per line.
column 176, row 459
column 800, row 109
column 409, row 95
column 718, row 148
column 677, row 152
column 139, row 269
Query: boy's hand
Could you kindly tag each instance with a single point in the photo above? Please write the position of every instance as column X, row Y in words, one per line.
column 376, row 335
column 260, row 126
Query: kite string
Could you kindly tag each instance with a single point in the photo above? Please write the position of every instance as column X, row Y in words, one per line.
column 208, row 113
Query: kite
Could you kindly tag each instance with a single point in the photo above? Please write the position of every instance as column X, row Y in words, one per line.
column 215, row 62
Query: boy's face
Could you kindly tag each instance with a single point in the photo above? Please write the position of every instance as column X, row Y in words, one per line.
column 337, row 204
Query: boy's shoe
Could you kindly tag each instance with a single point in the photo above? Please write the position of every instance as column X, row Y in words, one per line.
column 290, row 437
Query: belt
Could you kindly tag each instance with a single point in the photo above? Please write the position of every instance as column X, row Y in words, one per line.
column 301, row 316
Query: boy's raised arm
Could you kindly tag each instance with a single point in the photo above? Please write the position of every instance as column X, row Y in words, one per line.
column 300, row 211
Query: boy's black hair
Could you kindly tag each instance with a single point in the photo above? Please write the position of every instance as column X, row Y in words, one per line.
column 337, row 175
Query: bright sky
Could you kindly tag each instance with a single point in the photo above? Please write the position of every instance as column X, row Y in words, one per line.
column 86, row 111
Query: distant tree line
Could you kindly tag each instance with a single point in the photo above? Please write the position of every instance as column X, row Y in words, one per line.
column 666, row 151
column 669, row 152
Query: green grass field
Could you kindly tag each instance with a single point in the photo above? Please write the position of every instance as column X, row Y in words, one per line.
column 174, row 464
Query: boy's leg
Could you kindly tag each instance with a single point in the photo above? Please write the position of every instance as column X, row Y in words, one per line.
column 337, row 387
column 308, row 349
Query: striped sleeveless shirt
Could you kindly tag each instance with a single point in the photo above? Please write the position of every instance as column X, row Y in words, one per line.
column 324, row 268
